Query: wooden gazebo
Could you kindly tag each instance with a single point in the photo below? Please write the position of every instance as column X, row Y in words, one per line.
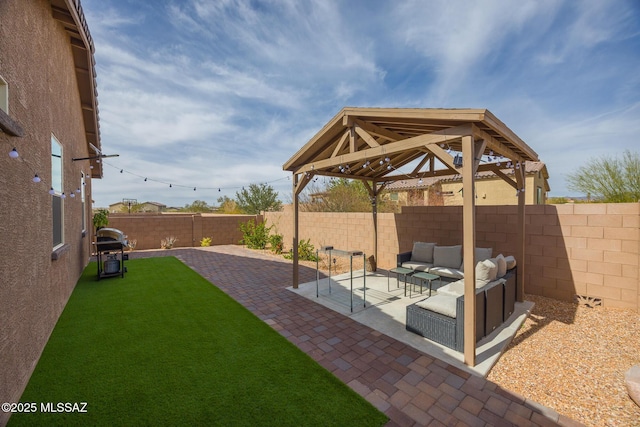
column 372, row 144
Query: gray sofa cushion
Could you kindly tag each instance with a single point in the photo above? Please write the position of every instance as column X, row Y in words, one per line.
column 511, row 262
column 443, row 304
column 481, row 255
column 422, row 252
column 447, row 256
column 418, row 266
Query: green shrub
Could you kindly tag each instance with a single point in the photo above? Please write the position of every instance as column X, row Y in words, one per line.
column 255, row 236
column 276, row 242
column 306, row 251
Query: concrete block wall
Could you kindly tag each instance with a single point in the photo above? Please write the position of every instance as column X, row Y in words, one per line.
column 591, row 250
column 189, row 229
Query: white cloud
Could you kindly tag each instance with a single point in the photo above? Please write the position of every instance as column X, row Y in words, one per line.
column 224, row 92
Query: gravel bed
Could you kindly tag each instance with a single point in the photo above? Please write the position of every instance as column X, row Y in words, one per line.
column 573, row 358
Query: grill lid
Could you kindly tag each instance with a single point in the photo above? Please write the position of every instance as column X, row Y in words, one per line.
column 111, row 234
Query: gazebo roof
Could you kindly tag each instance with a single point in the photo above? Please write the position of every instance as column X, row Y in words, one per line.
column 373, row 143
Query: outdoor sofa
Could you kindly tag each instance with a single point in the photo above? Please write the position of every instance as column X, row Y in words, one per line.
column 440, row 318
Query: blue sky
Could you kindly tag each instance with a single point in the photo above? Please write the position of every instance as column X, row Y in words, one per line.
column 219, row 94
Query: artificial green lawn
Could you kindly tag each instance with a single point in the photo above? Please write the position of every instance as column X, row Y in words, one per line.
column 164, row 347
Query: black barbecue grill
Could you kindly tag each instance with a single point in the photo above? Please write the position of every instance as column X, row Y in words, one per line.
column 110, row 244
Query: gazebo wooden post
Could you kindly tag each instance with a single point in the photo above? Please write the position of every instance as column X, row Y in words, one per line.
column 373, row 194
column 295, row 230
column 469, row 244
column 520, row 240
column 374, row 208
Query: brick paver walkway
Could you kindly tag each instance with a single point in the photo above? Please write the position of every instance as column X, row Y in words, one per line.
column 411, row 387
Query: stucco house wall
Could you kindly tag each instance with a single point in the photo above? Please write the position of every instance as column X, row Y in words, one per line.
column 44, row 97
column 491, row 190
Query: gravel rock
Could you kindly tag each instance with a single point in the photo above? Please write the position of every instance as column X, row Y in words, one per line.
column 573, row 359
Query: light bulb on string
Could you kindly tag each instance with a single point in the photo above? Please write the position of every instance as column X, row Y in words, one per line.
column 72, row 194
column 52, row 191
column 36, row 178
column 78, row 190
column 194, row 188
column 63, row 196
column 145, row 180
column 14, row 153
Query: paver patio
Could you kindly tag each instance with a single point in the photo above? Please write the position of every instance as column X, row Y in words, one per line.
column 411, row 387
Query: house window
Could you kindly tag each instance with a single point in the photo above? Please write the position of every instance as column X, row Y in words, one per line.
column 393, row 196
column 57, row 201
column 83, row 197
column 4, row 95
column 539, row 195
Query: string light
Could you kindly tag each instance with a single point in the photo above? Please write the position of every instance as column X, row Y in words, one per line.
column 36, row 179
column 172, row 185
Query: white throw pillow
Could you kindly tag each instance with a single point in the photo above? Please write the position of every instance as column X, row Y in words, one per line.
column 486, row 271
column 422, row 252
column 502, row 265
column 447, row 256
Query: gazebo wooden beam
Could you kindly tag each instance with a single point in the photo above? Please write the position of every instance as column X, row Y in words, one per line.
column 387, row 149
column 341, row 143
column 378, row 131
column 496, row 145
column 371, row 142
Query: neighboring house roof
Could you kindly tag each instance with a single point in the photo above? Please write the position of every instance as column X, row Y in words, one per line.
column 160, row 205
column 414, row 183
column 69, row 13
